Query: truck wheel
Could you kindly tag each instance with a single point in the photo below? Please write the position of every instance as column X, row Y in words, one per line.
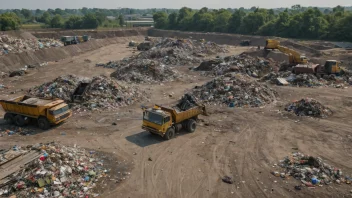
column 170, row 133
column 8, row 118
column 19, row 120
column 191, row 126
column 43, row 123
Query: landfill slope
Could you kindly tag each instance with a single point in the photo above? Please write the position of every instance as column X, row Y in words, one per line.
column 12, row 62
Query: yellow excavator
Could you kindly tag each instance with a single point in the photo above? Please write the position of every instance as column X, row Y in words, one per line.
column 294, row 57
column 300, row 62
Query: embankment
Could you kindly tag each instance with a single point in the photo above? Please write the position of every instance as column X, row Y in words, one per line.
column 12, row 62
column 97, row 34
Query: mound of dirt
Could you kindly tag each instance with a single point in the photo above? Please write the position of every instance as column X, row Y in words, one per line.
column 308, row 107
column 236, row 91
column 145, row 71
column 102, row 92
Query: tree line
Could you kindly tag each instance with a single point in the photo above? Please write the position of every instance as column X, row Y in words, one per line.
column 296, row 22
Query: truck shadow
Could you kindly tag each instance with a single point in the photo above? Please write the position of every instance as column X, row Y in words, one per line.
column 30, row 128
column 144, row 138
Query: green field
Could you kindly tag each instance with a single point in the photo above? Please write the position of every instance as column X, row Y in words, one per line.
column 32, row 26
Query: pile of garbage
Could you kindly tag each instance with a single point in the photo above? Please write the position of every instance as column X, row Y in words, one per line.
column 14, row 130
column 51, row 170
column 235, row 90
column 311, row 171
column 10, row 44
column 243, row 63
column 102, row 92
column 309, row 107
column 170, row 51
column 145, row 71
column 308, row 80
column 188, row 101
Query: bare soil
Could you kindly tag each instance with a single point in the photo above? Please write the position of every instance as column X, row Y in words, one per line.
column 241, row 143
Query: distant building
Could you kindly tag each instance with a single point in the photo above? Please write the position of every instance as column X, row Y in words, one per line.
column 111, row 17
column 130, row 17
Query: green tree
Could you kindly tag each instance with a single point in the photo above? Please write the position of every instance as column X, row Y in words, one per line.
column 90, row 21
column 74, row 22
column 121, row 20
column 45, row 18
column 184, row 14
column 221, row 20
column 57, row 22
column 160, row 20
column 253, row 21
column 26, row 13
column 172, row 20
column 9, row 21
column 100, row 17
column 59, row 11
column 236, row 21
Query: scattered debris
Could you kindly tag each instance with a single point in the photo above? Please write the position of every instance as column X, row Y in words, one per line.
column 227, row 179
column 102, row 92
column 10, row 44
column 235, row 91
column 14, row 130
column 311, row 171
column 50, row 170
column 309, row 107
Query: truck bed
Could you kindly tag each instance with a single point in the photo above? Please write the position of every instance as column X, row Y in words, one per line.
column 180, row 116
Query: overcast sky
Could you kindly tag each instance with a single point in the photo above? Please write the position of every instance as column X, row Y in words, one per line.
column 45, row 4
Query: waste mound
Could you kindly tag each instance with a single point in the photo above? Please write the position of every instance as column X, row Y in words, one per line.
column 145, row 71
column 50, row 170
column 102, row 92
column 237, row 90
column 170, row 51
column 255, row 67
column 311, row 171
column 10, row 44
column 308, row 107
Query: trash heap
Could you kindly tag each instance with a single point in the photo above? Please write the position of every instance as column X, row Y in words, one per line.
column 187, row 102
column 237, row 90
column 309, row 80
column 311, row 171
column 242, row 63
column 10, row 44
column 309, row 107
column 61, row 87
column 102, row 92
column 53, row 170
column 145, row 71
column 170, row 51
column 14, row 130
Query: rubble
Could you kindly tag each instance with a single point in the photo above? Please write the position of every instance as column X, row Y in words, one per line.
column 311, row 171
column 308, row 80
column 102, row 92
column 308, row 107
column 235, row 90
column 50, row 170
column 243, row 63
column 170, row 51
column 145, row 71
column 14, row 130
column 10, row 44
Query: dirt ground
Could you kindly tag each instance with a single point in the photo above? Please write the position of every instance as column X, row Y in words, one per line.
column 241, row 143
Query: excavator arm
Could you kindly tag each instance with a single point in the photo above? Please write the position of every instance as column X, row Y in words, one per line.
column 294, row 56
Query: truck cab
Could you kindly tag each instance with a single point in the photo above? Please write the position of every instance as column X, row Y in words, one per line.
column 58, row 114
column 156, row 121
column 332, row 67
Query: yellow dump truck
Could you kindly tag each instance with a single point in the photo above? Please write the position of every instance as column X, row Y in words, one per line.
column 165, row 121
column 46, row 112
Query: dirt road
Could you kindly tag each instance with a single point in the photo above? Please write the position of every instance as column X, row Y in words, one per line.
column 241, row 143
